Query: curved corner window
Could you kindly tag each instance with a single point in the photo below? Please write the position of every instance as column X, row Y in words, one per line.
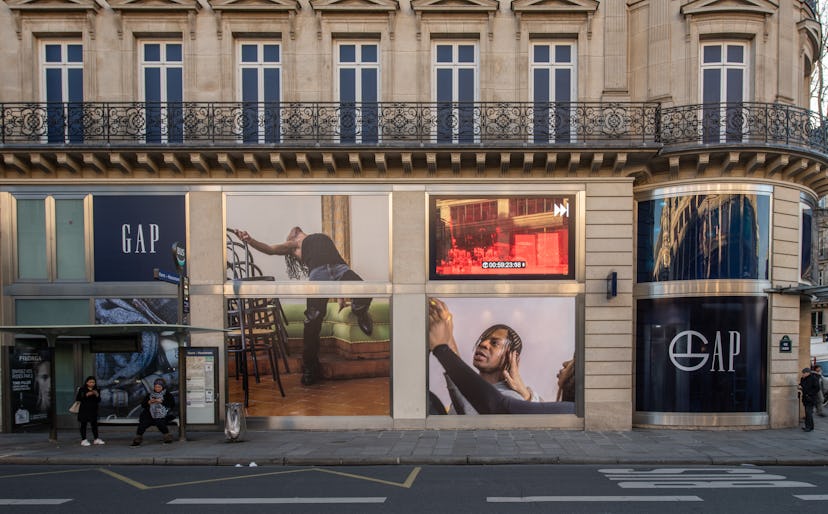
column 806, row 247
column 703, row 237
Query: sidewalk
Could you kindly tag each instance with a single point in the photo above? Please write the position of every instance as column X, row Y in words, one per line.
column 417, row 447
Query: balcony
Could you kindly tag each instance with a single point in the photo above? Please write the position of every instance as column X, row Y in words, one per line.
column 227, row 140
column 193, row 124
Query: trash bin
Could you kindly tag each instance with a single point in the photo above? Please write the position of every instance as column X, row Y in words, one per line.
column 235, row 424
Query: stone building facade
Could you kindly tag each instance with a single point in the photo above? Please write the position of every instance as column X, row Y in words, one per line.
column 657, row 157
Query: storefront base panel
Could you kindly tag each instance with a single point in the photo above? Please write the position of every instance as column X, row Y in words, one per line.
column 498, row 422
column 710, row 420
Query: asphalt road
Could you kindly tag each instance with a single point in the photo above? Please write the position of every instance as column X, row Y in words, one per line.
column 453, row 489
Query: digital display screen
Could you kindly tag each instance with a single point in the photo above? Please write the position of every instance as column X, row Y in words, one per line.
column 483, row 237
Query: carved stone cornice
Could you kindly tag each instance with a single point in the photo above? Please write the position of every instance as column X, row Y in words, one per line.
column 362, row 6
column 228, row 6
column 154, row 5
column 555, row 6
column 29, row 6
column 697, row 7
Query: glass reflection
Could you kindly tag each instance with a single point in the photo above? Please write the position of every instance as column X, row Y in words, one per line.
column 716, row 236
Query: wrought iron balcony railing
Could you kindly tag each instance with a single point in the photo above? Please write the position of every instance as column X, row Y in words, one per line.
column 407, row 123
column 744, row 123
column 327, row 123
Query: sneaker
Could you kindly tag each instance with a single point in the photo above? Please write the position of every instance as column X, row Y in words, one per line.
column 85, row 443
column 98, row 441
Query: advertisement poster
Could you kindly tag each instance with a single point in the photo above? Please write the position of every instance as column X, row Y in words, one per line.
column 516, row 237
column 31, row 383
column 540, row 330
column 201, row 383
column 134, row 234
column 126, row 378
column 332, row 353
column 702, row 354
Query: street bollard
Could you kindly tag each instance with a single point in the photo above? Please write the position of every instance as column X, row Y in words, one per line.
column 235, row 423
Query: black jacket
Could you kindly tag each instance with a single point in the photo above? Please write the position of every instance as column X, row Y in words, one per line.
column 88, row 404
column 810, row 388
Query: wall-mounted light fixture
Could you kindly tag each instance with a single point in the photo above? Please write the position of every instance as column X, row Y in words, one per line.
column 612, row 285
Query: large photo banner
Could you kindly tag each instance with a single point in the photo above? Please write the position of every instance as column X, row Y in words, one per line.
column 523, row 347
column 125, row 379
column 325, row 356
column 31, row 383
column 705, row 354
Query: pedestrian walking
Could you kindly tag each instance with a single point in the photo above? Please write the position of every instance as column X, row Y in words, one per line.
column 809, row 388
column 89, row 397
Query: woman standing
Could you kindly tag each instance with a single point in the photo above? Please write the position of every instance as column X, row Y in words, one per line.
column 89, row 397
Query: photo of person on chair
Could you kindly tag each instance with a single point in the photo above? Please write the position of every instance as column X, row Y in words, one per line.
column 316, row 257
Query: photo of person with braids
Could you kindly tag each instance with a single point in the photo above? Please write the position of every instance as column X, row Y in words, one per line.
column 506, row 359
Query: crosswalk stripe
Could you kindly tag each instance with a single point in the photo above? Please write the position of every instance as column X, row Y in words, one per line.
column 533, row 499
column 254, row 501
column 812, row 497
column 34, row 501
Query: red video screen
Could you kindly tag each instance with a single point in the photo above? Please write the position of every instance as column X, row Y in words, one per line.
column 526, row 237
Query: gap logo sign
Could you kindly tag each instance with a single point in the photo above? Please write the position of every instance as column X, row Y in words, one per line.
column 133, row 235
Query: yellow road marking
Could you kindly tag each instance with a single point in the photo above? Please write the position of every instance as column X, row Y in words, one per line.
column 122, row 478
column 44, row 473
column 406, row 484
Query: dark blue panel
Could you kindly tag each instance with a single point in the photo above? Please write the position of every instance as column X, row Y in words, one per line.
column 152, row 92
column 563, row 53
column 712, row 54
column 250, row 99
column 541, row 53
column 540, row 109
column 347, row 53
column 465, row 53
column 74, row 53
column 272, row 97
column 369, row 53
column 563, row 109
column 735, row 54
column 75, row 107
column 55, row 118
column 711, row 95
column 465, row 91
column 271, row 53
column 175, row 112
column 445, row 53
column 445, row 112
column 347, row 85
column 173, row 52
column 249, row 53
column 152, row 52
column 347, row 108
column 134, row 234
column 370, row 113
column 702, row 355
column 733, row 111
column 53, row 53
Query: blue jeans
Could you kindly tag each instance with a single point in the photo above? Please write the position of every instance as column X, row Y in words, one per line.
column 315, row 309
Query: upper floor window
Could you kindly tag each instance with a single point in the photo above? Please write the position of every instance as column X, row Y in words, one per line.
column 553, row 87
column 51, row 242
column 357, row 85
column 806, row 247
column 162, row 88
column 456, row 90
column 260, row 90
column 62, row 90
column 724, row 88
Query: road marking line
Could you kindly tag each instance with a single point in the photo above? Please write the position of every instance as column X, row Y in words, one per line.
column 702, row 484
column 21, row 475
column 258, row 501
column 34, row 501
column 812, row 497
column 406, row 484
column 532, row 499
